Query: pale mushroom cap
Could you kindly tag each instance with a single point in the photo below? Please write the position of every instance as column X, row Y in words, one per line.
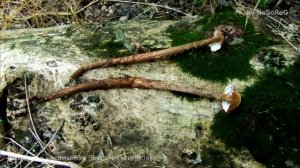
column 215, row 46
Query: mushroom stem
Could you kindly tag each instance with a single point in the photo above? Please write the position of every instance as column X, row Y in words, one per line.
column 130, row 82
column 155, row 55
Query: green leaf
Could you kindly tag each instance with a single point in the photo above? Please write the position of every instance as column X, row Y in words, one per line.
column 128, row 46
column 121, row 38
column 120, row 35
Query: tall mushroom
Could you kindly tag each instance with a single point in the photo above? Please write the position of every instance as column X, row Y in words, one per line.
column 222, row 33
column 230, row 98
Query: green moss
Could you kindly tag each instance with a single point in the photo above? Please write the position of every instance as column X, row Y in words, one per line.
column 20, row 134
column 271, row 58
column 101, row 43
column 266, row 3
column 87, row 43
column 267, row 121
column 231, row 62
column 113, row 49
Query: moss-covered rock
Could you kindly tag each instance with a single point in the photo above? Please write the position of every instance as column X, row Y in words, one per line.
column 271, row 59
column 267, row 122
column 109, row 124
column 229, row 63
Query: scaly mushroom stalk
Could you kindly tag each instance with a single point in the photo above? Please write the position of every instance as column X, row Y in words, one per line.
column 129, row 82
column 155, row 55
column 229, row 99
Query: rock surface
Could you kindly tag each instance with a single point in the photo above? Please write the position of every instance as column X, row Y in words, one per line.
column 124, row 127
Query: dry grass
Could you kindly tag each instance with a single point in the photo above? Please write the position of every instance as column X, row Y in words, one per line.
column 281, row 25
column 39, row 13
column 16, row 14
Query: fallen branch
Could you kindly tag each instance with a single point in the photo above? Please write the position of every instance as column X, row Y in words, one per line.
column 130, row 82
column 155, row 55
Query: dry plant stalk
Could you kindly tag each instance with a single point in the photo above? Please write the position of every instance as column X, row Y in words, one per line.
column 153, row 5
column 155, row 55
column 129, row 82
column 37, row 159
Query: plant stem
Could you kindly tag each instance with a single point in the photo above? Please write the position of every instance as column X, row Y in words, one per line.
column 37, row 159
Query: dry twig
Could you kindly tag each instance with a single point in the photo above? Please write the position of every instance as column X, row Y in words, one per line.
column 20, row 146
column 152, row 4
column 46, row 146
column 30, row 116
column 37, row 159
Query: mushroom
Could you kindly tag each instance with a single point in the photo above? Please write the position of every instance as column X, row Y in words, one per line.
column 231, row 99
column 222, row 34
column 228, row 33
column 217, row 45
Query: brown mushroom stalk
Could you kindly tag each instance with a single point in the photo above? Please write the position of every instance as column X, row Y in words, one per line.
column 129, row 82
column 155, row 55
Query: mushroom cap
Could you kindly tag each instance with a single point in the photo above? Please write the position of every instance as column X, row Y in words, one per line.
column 217, row 45
column 228, row 32
column 228, row 92
column 231, row 99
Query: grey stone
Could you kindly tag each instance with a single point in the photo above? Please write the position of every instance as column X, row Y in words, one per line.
column 156, row 125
